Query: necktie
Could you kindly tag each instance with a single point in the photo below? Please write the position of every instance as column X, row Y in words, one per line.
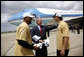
column 41, row 30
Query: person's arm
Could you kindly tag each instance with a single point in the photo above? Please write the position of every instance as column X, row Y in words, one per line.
column 25, row 44
column 22, row 40
column 65, row 41
column 51, row 27
column 65, row 33
column 65, row 36
column 48, row 28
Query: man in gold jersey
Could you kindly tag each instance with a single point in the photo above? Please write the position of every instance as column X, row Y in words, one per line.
column 62, row 36
column 23, row 46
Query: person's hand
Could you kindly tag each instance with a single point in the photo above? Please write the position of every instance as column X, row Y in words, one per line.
column 41, row 41
column 35, row 47
column 62, row 52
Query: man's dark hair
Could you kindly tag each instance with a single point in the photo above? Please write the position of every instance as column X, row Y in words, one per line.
column 61, row 18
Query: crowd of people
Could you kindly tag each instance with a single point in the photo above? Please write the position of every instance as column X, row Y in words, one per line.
column 75, row 28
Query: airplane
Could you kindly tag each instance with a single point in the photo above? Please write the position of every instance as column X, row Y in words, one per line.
column 46, row 14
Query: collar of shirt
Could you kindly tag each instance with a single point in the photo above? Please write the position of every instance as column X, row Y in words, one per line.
column 59, row 22
column 38, row 26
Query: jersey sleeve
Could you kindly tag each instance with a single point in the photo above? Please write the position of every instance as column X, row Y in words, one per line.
column 22, row 33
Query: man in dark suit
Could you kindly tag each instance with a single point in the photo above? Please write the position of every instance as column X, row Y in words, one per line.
column 40, row 31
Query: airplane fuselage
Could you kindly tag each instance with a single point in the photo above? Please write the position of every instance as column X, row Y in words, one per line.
column 46, row 15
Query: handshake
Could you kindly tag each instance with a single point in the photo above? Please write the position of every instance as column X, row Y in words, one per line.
column 41, row 42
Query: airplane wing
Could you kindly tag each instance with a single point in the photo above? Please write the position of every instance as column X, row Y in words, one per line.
column 74, row 21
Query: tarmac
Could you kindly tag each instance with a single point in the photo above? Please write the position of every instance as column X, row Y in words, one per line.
column 76, row 44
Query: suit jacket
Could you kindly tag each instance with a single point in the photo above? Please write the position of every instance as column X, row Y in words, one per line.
column 35, row 31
